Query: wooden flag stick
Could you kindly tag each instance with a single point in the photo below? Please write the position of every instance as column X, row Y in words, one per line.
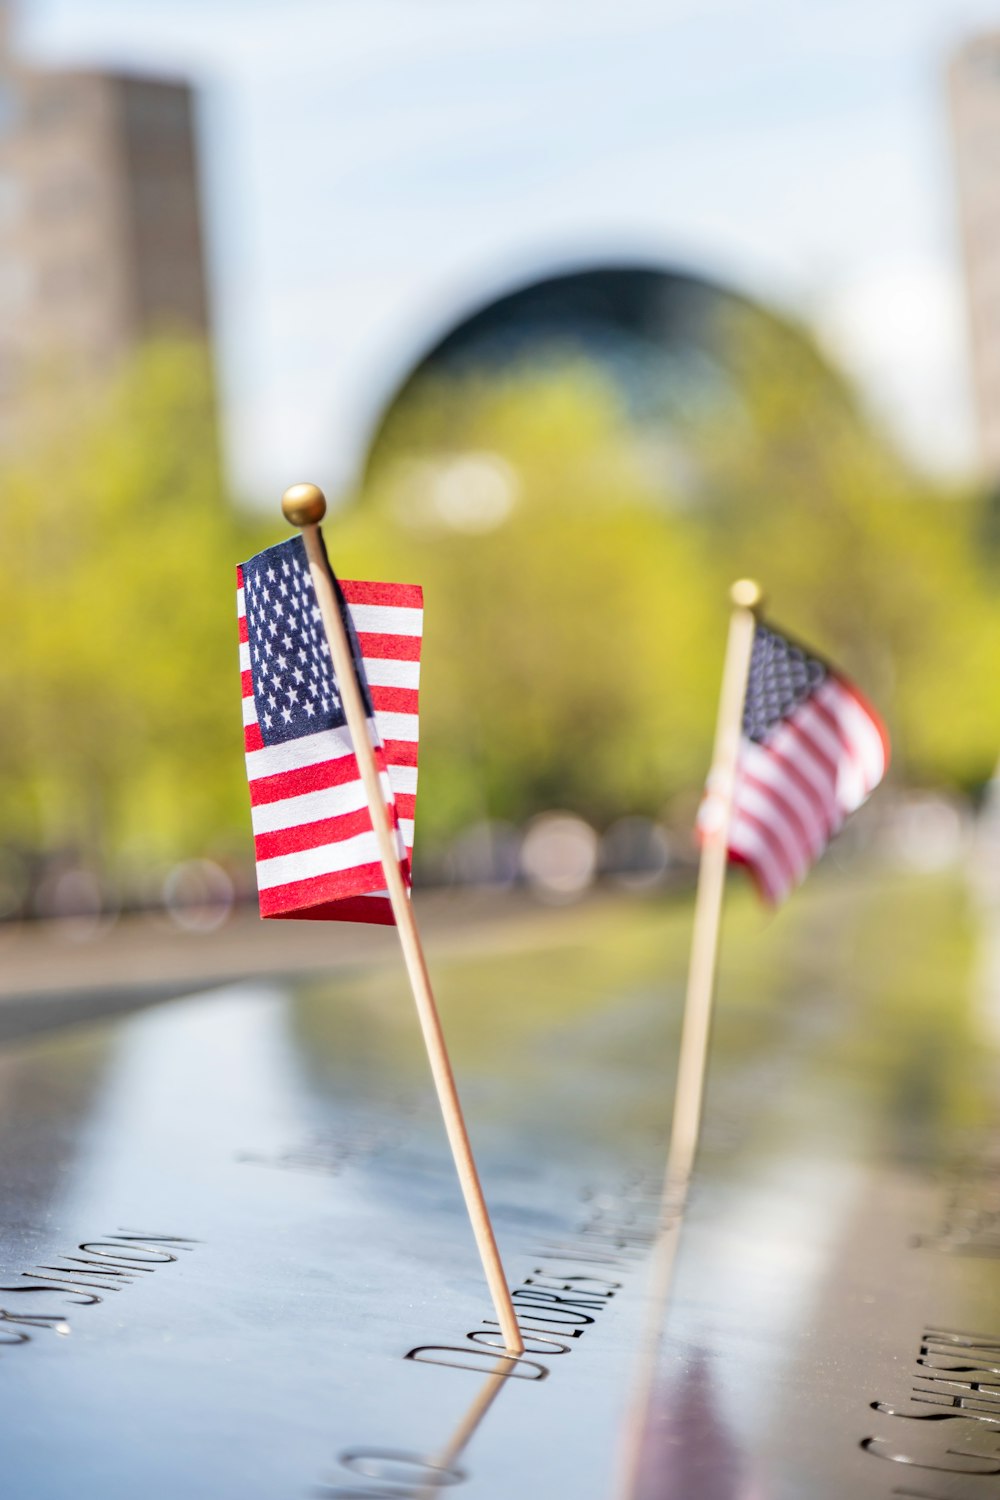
column 691, row 1067
column 304, row 505
column 696, row 1026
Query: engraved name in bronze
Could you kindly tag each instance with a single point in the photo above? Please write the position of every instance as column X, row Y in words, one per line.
column 565, row 1294
column 557, row 1303
column 103, row 1266
column 949, row 1421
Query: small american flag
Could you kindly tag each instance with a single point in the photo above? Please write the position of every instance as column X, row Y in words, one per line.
column 811, row 751
column 317, row 854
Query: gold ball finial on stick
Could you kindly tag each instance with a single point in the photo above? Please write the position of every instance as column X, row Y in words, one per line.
column 746, row 593
column 303, row 505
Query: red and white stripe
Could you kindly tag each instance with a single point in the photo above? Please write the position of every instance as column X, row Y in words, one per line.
column 317, row 854
column 794, row 790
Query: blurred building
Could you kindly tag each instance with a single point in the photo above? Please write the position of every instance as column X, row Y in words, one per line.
column 675, row 347
column 974, row 89
column 100, row 225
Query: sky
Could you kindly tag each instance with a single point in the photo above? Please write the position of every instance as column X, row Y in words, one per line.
column 375, row 168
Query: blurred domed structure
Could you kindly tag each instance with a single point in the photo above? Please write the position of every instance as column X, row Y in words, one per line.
column 676, row 349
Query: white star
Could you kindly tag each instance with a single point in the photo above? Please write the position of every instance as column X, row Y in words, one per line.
column 326, row 705
column 268, row 721
column 271, row 575
column 286, row 714
column 284, row 566
column 284, row 588
column 276, row 680
column 272, row 627
column 282, row 660
column 293, row 696
column 314, row 689
column 272, row 700
column 297, row 674
column 279, row 608
column 287, row 642
column 310, row 711
column 267, row 596
column 336, row 700
column 303, row 654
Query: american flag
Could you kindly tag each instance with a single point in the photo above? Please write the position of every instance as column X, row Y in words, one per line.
column 811, row 751
column 317, row 854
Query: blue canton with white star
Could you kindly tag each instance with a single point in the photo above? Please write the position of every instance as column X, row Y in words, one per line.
column 294, row 686
column 783, row 675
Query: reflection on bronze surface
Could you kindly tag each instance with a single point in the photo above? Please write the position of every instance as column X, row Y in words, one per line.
column 687, row 1448
column 418, row 1477
column 822, row 1249
column 466, row 1429
column 638, row 1417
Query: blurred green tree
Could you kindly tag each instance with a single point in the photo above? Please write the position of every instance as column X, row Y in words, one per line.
column 570, row 641
column 575, row 588
column 577, row 603
column 872, row 565
column 119, row 697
